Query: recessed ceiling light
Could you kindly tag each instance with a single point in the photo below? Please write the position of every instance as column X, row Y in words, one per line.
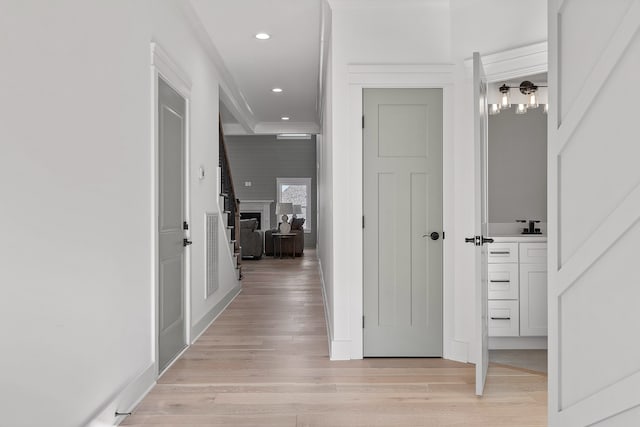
column 285, row 118
column 276, row 90
column 263, row 36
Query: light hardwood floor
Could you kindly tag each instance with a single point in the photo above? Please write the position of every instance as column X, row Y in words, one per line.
column 265, row 362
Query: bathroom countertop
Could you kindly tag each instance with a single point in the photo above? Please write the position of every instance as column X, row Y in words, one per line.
column 520, row 238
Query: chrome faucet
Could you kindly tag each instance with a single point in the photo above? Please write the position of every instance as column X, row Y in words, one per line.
column 531, row 229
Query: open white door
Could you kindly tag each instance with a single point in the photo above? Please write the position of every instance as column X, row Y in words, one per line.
column 594, row 213
column 480, row 125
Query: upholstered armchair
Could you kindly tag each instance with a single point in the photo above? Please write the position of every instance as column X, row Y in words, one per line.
column 250, row 239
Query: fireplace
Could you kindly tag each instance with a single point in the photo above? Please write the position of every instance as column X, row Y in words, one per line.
column 260, row 209
column 252, row 215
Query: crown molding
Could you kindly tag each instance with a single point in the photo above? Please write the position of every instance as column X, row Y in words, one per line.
column 383, row 4
column 272, row 128
column 514, row 63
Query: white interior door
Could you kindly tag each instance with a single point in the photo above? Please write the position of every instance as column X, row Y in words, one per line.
column 171, row 214
column 480, row 128
column 594, row 213
column 403, row 222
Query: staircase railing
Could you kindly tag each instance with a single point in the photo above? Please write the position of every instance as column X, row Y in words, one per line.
column 228, row 193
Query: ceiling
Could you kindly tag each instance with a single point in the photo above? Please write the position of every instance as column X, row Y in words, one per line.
column 290, row 60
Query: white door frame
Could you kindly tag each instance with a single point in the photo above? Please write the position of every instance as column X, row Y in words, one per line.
column 398, row 76
column 163, row 66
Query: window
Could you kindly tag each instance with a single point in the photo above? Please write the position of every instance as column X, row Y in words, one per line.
column 298, row 192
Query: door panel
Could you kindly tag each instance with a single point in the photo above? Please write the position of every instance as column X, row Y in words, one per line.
column 481, row 124
column 594, row 209
column 403, row 205
column 171, row 265
column 533, row 299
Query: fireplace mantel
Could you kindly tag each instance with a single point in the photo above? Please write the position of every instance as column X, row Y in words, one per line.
column 262, row 206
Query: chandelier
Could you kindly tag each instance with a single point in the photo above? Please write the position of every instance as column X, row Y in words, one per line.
column 530, row 101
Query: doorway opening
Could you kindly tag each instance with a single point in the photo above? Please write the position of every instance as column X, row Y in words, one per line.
column 516, row 165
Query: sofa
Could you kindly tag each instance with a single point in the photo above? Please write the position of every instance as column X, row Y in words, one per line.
column 287, row 244
column 250, row 239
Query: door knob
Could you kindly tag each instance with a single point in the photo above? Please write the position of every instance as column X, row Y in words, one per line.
column 434, row 235
column 186, row 242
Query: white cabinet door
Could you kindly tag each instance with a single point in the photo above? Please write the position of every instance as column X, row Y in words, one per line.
column 533, row 300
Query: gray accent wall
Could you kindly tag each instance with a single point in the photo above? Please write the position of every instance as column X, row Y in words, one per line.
column 517, row 184
column 260, row 159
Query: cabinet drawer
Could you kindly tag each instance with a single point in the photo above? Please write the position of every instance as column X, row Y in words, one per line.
column 503, row 281
column 502, row 252
column 504, row 319
column 533, row 253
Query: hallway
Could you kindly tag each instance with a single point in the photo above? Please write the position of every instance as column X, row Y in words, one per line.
column 264, row 362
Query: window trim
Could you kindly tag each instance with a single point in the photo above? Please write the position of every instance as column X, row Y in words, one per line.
column 297, row 181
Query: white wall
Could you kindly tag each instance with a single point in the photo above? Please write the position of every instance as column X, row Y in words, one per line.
column 517, row 173
column 324, row 159
column 409, row 32
column 76, row 167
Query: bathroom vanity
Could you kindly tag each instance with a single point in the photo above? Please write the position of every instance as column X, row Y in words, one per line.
column 517, row 274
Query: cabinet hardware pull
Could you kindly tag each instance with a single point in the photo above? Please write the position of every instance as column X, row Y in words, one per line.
column 500, row 281
column 499, row 252
column 500, row 318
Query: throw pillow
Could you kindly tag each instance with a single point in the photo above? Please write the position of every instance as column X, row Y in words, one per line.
column 248, row 224
column 297, row 223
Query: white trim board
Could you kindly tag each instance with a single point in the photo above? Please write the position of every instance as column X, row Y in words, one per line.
column 207, row 320
column 514, row 63
column 126, row 399
column 399, row 76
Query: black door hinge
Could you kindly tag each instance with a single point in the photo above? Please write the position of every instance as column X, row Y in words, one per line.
column 362, row 122
column 362, row 221
column 362, row 322
column 185, row 225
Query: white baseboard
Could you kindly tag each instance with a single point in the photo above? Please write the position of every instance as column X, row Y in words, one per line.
column 132, row 395
column 340, row 350
column 127, row 399
column 517, row 343
column 325, row 306
column 206, row 321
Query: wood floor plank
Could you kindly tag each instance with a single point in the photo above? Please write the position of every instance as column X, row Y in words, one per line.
column 265, row 362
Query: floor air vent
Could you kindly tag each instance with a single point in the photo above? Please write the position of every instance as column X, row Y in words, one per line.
column 212, row 253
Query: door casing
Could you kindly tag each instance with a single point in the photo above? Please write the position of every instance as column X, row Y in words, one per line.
column 400, row 76
column 162, row 66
